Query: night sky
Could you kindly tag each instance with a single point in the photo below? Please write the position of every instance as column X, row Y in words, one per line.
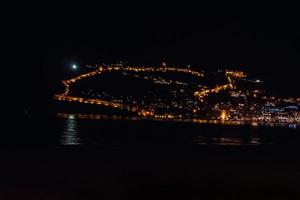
column 264, row 42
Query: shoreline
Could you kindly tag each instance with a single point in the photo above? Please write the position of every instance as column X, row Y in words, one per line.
column 199, row 121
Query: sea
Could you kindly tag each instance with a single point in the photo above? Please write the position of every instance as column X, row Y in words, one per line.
column 83, row 156
column 90, row 129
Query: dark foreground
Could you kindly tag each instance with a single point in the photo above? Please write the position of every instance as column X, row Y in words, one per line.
column 150, row 172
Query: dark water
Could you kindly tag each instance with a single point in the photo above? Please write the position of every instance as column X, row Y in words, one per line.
column 102, row 157
column 70, row 129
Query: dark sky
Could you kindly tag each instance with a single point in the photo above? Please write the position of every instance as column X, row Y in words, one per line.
column 263, row 42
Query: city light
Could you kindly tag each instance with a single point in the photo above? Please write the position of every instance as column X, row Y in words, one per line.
column 233, row 108
column 224, row 115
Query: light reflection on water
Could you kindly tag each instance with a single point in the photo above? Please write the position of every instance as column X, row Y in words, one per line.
column 226, row 141
column 73, row 135
column 197, row 121
column 70, row 134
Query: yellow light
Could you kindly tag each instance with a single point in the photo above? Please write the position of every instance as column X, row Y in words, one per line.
column 223, row 115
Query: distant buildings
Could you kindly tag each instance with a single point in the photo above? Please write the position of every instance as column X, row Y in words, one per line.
column 181, row 93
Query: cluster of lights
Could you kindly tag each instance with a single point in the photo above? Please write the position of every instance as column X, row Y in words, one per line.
column 73, row 80
column 146, row 113
column 200, row 95
column 100, row 69
column 156, row 69
column 87, row 101
column 236, row 74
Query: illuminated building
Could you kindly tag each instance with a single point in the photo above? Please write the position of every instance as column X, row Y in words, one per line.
column 185, row 99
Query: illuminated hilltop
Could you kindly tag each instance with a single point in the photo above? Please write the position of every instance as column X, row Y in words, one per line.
column 178, row 92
